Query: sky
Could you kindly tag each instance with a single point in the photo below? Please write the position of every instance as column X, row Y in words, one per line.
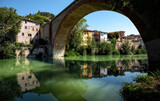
column 107, row 21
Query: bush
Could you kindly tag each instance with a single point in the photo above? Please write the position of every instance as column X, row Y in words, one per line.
column 141, row 51
column 7, row 50
column 82, row 50
column 71, row 53
column 144, row 79
column 116, row 52
column 105, row 48
column 126, row 48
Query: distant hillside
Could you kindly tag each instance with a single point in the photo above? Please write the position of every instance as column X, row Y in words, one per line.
column 41, row 17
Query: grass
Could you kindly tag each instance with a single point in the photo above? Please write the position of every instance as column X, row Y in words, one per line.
column 147, row 88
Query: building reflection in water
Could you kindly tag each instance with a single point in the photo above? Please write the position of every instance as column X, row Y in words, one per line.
column 118, row 68
column 27, row 80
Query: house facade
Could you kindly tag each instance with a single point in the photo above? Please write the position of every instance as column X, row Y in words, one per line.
column 87, row 36
column 103, row 37
column 29, row 31
column 97, row 35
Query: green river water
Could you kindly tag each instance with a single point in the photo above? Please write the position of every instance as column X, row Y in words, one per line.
column 89, row 78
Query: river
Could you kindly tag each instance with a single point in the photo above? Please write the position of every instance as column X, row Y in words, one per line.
column 84, row 78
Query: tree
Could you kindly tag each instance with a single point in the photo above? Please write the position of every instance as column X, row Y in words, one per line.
column 126, row 48
column 113, row 35
column 114, row 41
column 75, row 39
column 10, row 26
column 89, row 41
column 133, row 49
column 41, row 17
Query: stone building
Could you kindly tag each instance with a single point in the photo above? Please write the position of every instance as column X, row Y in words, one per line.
column 29, row 31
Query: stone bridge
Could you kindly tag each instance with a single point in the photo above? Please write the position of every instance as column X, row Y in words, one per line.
column 143, row 13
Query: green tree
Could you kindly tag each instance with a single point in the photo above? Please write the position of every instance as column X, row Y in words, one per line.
column 41, row 17
column 10, row 26
column 113, row 35
column 126, row 48
column 114, row 41
column 75, row 39
column 133, row 49
column 89, row 41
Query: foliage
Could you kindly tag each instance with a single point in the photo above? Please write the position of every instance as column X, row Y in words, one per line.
column 113, row 35
column 18, row 45
column 41, row 17
column 82, row 50
column 93, row 43
column 105, row 48
column 71, row 53
column 38, row 18
column 75, row 39
column 133, row 49
column 116, row 52
column 10, row 23
column 10, row 26
column 144, row 79
column 126, row 48
column 89, row 41
column 46, row 14
column 156, row 74
column 147, row 88
column 114, row 41
column 140, row 50
column 7, row 50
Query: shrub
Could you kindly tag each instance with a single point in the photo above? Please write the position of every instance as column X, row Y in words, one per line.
column 126, row 48
column 71, row 53
column 82, row 50
column 144, row 79
column 116, row 52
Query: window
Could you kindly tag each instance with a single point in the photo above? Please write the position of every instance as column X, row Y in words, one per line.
column 36, row 29
column 30, row 35
column 22, row 34
column 25, row 27
column 25, row 21
column 32, row 29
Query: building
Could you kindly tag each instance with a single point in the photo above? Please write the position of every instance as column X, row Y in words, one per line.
column 103, row 36
column 121, row 34
column 29, row 31
column 87, row 36
column 133, row 37
column 97, row 35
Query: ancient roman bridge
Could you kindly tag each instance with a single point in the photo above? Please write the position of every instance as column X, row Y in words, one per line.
column 143, row 13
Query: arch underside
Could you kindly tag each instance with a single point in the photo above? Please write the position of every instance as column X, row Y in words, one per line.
column 78, row 11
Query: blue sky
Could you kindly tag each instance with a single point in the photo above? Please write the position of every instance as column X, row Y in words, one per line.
column 107, row 21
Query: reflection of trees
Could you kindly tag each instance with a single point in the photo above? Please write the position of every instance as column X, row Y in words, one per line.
column 9, row 89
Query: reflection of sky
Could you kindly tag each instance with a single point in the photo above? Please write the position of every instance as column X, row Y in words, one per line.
column 36, row 97
column 107, row 88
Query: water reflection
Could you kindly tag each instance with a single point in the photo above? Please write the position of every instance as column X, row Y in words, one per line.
column 27, row 80
column 74, row 79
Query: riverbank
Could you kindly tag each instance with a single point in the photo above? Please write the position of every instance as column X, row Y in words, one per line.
column 147, row 88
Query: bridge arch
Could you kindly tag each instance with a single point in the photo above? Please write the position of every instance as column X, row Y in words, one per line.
column 62, row 25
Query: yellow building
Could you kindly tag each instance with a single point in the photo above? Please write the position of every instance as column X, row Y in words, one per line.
column 87, row 37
